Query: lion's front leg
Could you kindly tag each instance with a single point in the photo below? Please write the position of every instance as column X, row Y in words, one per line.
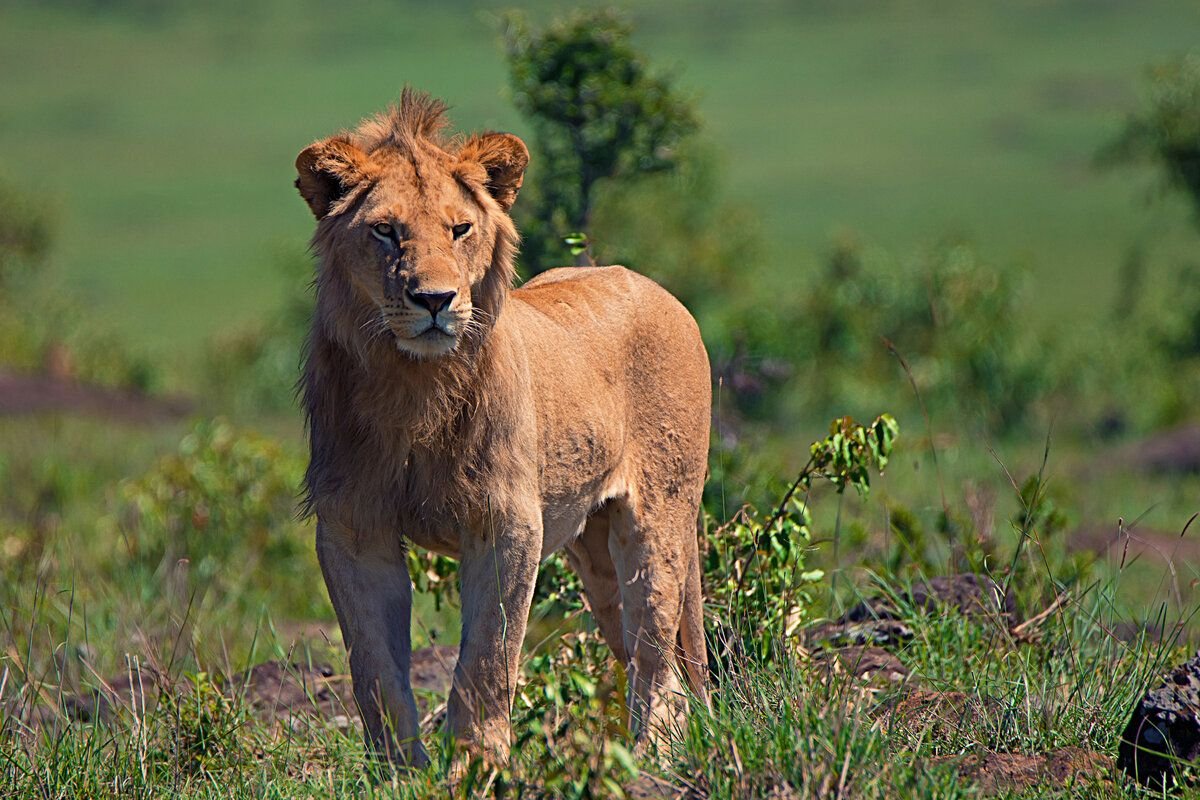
column 371, row 592
column 497, row 574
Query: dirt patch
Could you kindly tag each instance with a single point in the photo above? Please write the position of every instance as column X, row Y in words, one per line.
column 1176, row 450
column 41, row 394
column 276, row 692
column 1002, row 773
column 876, row 621
column 872, row 665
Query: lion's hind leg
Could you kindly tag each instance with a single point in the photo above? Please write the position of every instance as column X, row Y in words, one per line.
column 651, row 559
column 593, row 563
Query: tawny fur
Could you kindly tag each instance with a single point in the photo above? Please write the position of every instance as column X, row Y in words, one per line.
column 572, row 413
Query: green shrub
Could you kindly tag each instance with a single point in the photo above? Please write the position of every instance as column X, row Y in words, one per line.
column 1166, row 131
column 42, row 325
column 946, row 320
column 755, row 569
column 224, row 498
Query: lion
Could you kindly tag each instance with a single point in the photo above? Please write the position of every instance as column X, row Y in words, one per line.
column 492, row 424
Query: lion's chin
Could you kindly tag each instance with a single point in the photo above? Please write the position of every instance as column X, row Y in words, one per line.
column 433, row 343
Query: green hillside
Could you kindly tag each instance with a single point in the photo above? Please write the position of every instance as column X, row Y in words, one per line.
column 166, row 139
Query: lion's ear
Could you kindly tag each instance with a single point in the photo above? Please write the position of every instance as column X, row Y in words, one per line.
column 327, row 170
column 504, row 158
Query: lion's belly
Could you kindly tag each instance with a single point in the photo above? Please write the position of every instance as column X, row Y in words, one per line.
column 577, row 475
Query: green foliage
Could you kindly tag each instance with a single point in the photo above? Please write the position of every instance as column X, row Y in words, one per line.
column 598, row 112
column 202, row 730
column 756, row 570
column 1139, row 370
column 1167, row 129
column 43, row 326
column 569, row 720
column 26, row 231
column 222, row 492
column 847, row 455
column 674, row 228
column 948, row 321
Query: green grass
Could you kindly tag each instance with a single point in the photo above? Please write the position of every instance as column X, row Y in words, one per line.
column 85, row 594
column 167, row 139
column 783, row 727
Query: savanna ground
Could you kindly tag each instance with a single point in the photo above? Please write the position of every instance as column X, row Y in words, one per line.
column 921, row 172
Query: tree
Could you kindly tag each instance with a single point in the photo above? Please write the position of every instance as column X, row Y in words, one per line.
column 1167, row 130
column 598, row 112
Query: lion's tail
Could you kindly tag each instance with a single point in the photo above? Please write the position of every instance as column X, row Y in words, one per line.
column 691, row 631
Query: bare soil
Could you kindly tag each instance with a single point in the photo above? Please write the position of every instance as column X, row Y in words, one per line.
column 41, row 394
column 1003, row 773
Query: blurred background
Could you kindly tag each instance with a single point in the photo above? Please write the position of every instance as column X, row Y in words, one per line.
column 978, row 217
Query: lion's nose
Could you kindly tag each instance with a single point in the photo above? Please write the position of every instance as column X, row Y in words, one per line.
column 434, row 301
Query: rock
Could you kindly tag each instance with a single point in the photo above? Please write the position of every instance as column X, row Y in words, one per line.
column 1165, row 728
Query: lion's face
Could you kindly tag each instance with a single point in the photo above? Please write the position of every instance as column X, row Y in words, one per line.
column 421, row 244
column 411, row 228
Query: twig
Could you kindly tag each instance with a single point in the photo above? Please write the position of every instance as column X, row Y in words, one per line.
column 1026, row 632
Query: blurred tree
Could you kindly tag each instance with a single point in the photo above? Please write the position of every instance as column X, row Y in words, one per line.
column 25, row 233
column 597, row 111
column 1167, row 130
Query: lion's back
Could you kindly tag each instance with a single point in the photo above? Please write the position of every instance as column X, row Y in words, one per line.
column 612, row 296
column 614, row 339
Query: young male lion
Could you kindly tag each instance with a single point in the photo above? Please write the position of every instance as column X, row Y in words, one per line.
column 492, row 424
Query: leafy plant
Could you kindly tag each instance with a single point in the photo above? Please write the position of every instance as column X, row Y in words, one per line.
column 1166, row 131
column 598, row 112
column 755, row 570
column 947, row 321
column 255, row 369
column 223, row 491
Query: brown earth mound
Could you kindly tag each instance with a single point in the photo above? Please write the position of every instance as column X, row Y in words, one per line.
column 1004, row 773
column 1171, row 451
column 40, row 394
column 275, row 691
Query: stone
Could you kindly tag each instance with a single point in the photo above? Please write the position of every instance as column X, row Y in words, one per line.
column 1164, row 728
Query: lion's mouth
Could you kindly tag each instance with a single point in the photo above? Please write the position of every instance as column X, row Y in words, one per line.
column 429, row 343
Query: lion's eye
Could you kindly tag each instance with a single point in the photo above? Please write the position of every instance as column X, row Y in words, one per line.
column 384, row 231
column 461, row 229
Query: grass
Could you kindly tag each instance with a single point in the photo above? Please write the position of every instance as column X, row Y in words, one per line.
column 96, row 602
column 778, row 728
column 167, row 139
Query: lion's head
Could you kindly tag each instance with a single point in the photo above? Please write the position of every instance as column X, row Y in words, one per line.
column 413, row 233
